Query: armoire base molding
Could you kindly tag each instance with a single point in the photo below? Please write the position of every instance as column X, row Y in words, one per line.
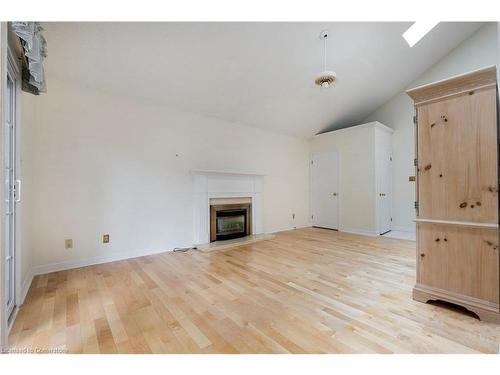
column 486, row 311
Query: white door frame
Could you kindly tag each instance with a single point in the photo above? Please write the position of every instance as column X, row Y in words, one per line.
column 3, row 85
column 13, row 70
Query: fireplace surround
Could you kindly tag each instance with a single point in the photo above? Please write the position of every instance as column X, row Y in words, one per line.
column 212, row 187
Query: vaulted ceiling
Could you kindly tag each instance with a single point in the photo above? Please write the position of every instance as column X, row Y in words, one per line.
column 257, row 74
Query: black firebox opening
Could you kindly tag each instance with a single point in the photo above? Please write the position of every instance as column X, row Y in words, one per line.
column 231, row 223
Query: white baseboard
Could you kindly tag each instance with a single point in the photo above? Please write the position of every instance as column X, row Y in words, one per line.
column 362, row 232
column 284, row 229
column 409, row 229
column 26, row 286
column 71, row 264
column 67, row 265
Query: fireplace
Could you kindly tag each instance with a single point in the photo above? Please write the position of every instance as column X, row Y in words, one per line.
column 213, row 188
column 230, row 220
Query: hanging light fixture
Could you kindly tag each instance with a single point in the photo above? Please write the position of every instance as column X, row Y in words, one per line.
column 327, row 77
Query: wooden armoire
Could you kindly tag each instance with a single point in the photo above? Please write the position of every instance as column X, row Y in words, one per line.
column 457, row 143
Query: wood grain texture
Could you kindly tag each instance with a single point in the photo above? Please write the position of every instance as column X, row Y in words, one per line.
column 305, row 291
column 459, row 85
column 457, row 192
column 460, row 260
column 457, row 159
column 470, row 224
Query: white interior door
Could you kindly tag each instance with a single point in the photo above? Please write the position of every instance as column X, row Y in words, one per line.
column 12, row 191
column 325, row 189
column 384, row 193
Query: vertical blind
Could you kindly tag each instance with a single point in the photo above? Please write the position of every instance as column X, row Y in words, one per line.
column 35, row 51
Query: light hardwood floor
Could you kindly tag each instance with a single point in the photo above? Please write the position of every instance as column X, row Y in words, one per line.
column 306, row 291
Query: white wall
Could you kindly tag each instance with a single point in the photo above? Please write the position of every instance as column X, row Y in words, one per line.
column 356, row 148
column 480, row 50
column 108, row 164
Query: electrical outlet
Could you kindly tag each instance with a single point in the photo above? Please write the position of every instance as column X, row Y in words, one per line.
column 68, row 244
column 105, row 238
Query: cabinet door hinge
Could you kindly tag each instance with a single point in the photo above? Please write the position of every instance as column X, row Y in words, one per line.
column 415, row 119
column 416, row 205
column 415, row 162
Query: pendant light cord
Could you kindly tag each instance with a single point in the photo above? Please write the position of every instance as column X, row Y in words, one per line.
column 324, row 51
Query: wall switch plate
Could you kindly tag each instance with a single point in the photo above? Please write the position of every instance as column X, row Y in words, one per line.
column 68, row 244
column 105, row 238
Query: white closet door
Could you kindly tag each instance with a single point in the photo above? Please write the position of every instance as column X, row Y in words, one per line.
column 325, row 187
column 384, row 182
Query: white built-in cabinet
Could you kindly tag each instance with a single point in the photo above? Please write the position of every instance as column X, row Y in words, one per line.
column 351, row 179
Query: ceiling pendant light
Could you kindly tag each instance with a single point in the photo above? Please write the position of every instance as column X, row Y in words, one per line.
column 327, row 77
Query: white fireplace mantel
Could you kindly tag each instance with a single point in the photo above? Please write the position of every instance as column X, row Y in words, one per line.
column 223, row 184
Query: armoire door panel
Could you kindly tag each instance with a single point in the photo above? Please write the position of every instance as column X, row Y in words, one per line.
column 459, row 259
column 457, row 158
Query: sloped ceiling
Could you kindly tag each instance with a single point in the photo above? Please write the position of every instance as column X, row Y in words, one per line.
column 257, row 74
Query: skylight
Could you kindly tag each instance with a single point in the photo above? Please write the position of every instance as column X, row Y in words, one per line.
column 417, row 31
